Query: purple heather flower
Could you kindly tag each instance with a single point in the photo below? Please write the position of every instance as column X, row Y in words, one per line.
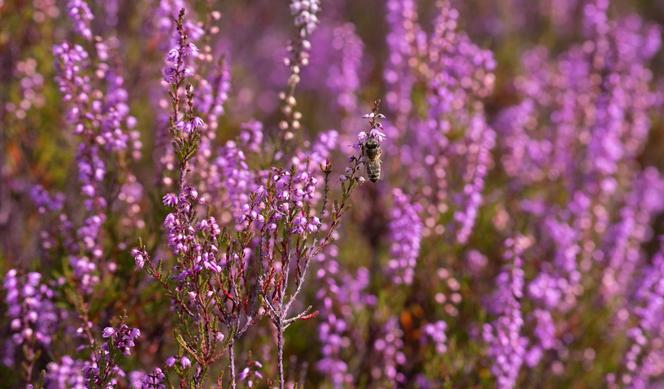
column 30, row 310
column 68, row 373
column 336, row 62
column 456, row 75
column 545, row 334
column 642, row 360
column 185, row 362
column 81, row 17
column 251, row 135
column 623, row 251
column 177, row 62
column 388, row 348
column 32, row 89
column 98, row 113
column 340, row 294
column 564, row 275
column 436, row 332
column 190, row 126
column 305, row 13
column 233, row 180
column 170, row 361
column 122, row 338
column 476, row 261
column 154, row 380
column 507, row 347
column 374, row 133
column 402, row 30
column 45, row 201
column 251, row 373
column 170, row 199
column 135, row 378
column 213, row 93
column 481, row 140
column 405, row 235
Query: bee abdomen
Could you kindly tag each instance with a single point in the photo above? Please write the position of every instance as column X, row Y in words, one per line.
column 373, row 170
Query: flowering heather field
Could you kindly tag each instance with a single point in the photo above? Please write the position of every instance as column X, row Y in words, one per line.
column 331, row 194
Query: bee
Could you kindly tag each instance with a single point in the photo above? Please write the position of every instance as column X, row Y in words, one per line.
column 370, row 143
column 371, row 151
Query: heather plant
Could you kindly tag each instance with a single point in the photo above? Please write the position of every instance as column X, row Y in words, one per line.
column 335, row 194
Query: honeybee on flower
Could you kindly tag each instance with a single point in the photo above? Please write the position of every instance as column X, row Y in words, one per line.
column 370, row 142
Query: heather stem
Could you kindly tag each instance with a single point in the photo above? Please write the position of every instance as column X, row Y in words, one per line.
column 280, row 352
column 30, row 356
column 231, row 357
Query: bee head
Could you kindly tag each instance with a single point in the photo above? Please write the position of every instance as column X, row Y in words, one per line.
column 371, row 143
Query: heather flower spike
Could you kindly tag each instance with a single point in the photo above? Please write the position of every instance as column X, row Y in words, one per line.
column 305, row 18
